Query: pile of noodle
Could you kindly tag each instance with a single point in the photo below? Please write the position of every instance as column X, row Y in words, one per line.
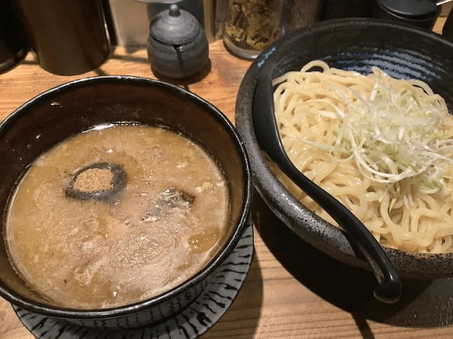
column 380, row 145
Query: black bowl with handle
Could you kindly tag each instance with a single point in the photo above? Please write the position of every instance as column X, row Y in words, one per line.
column 357, row 45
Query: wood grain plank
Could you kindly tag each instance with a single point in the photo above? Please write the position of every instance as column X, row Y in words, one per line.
column 273, row 303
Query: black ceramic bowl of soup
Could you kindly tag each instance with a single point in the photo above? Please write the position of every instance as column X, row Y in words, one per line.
column 401, row 51
column 119, row 198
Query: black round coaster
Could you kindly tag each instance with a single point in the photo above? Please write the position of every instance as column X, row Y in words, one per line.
column 195, row 320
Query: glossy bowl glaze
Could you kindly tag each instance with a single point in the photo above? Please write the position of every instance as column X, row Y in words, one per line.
column 350, row 44
column 69, row 109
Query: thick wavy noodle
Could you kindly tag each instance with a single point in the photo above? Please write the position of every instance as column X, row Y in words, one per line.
column 382, row 146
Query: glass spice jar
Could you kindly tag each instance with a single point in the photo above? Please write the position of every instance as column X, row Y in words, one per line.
column 252, row 25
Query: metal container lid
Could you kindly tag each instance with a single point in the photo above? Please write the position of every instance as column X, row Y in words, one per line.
column 174, row 27
column 410, row 8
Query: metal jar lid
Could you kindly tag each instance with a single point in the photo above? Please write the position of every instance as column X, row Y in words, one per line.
column 409, row 8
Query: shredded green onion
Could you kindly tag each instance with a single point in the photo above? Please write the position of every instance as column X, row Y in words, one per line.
column 394, row 133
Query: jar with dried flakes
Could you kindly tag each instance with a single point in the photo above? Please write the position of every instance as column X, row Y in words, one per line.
column 252, row 25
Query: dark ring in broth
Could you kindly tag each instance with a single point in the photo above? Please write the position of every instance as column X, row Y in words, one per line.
column 119, row 181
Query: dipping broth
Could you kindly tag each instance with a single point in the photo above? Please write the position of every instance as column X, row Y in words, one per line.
column 163, row 225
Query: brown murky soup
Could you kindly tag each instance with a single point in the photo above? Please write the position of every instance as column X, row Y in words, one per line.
column 117, row 215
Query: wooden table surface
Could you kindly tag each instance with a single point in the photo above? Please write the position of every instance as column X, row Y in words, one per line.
column 292, row 290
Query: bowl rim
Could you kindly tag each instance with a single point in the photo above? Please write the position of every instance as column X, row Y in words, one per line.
column 70, row 313
column 301, row 220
